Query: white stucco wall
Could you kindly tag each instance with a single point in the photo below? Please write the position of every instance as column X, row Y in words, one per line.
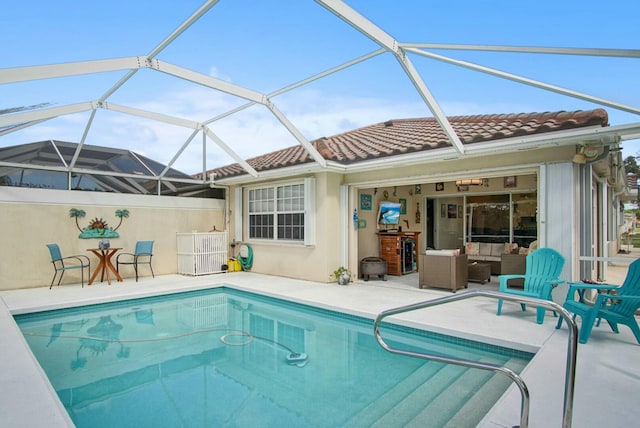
column 32, row 218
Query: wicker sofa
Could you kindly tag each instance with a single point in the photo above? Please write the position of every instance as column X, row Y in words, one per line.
column 492, row 254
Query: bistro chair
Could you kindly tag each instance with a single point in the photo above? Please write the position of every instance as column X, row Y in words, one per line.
column 142, row 255
column 614, row 304
column 542, row 275
column 62, row 264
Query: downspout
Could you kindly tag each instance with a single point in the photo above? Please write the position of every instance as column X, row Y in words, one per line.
column 603, row 240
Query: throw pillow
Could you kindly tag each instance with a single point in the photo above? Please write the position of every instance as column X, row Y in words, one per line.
column 472, row 248
column 510, row 247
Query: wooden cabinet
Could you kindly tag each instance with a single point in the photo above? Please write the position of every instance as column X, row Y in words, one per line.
column 400, row 251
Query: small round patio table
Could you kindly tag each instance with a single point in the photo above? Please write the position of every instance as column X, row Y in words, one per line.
column 105, row 267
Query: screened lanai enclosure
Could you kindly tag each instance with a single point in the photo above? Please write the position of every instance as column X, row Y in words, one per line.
column 62, row 165
column 198, row 85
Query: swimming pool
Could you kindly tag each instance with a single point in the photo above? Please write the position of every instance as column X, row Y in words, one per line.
column 223, row 357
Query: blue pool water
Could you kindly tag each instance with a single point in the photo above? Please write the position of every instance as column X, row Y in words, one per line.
column 222, row 357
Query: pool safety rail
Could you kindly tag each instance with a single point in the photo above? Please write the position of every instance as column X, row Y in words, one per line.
column 570, row 373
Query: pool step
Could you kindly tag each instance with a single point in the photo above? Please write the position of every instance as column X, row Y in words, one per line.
column 462, row 392
column 470, row 395
column 482, row 401
column 428, row 405
column 453, row 396
column 370, row 414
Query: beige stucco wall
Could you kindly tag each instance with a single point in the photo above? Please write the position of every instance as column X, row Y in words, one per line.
column 32, row 218
column 313, row 263
column 478, row 166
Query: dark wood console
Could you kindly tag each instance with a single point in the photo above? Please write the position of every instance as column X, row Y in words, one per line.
column 400, row 250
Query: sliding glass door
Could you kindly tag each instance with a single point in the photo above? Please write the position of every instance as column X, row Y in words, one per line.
column 502, row 218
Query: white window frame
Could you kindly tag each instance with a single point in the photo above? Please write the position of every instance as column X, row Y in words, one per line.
column 308, row 211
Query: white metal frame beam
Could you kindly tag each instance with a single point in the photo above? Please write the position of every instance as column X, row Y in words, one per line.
column 300, row 83
column 151, row 115
column 17, row 127
column 38, row 72
column 622, row 53
column 48, row 113
column 208, row 81
column 526, row 81
column 387, row 43
column 230, row 152
column 179, row 152
column 379, row 36
column 298, row 135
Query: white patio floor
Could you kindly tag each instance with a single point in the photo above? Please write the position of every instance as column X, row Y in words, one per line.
column 607, row 381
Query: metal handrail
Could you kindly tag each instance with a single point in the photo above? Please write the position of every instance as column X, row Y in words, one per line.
column 570, row 374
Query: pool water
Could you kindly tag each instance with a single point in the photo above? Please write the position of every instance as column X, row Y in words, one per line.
column 223, row 357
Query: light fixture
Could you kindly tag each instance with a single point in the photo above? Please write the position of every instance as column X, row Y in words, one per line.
column 470, row 182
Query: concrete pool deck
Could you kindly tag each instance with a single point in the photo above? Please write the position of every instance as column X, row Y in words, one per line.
column 607, row 373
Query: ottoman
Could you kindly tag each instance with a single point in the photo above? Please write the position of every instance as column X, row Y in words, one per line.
column 479, row 272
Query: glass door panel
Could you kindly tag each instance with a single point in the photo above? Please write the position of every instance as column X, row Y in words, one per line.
column 488, row 218
column 525, row 218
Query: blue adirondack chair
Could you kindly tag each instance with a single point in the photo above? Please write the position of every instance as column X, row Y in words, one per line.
column 614, row 304
column 541, row 276
column 142, row 254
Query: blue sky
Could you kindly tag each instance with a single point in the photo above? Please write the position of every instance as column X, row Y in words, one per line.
column 266, row 45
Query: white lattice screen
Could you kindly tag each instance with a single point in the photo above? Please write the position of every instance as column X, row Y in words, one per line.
column 201, row 253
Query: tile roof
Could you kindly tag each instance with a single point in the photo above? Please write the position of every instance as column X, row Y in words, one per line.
column 402, row 136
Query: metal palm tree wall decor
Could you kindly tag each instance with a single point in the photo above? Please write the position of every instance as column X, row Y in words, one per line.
column 98, row 227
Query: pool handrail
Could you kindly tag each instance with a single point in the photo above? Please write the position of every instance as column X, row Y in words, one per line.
column 572, row 349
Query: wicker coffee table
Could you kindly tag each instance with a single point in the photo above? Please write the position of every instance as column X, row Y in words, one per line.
column 479, row 272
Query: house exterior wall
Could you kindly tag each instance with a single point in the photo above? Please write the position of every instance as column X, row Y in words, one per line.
column 550, row 172
column 295, row 260
column 555, row 176
column 32, row 218
column 472, row 166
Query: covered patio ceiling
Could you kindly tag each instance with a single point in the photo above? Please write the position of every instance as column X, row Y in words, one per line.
column 372, row 46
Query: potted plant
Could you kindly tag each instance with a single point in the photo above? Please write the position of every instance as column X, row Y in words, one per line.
column 342, row 275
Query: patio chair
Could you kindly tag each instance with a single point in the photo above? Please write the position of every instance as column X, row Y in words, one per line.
column 614, row 304
column 141, row 255
column 62, row 264
column 542, row 275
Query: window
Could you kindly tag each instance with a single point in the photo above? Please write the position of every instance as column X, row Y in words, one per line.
column 277, row 213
